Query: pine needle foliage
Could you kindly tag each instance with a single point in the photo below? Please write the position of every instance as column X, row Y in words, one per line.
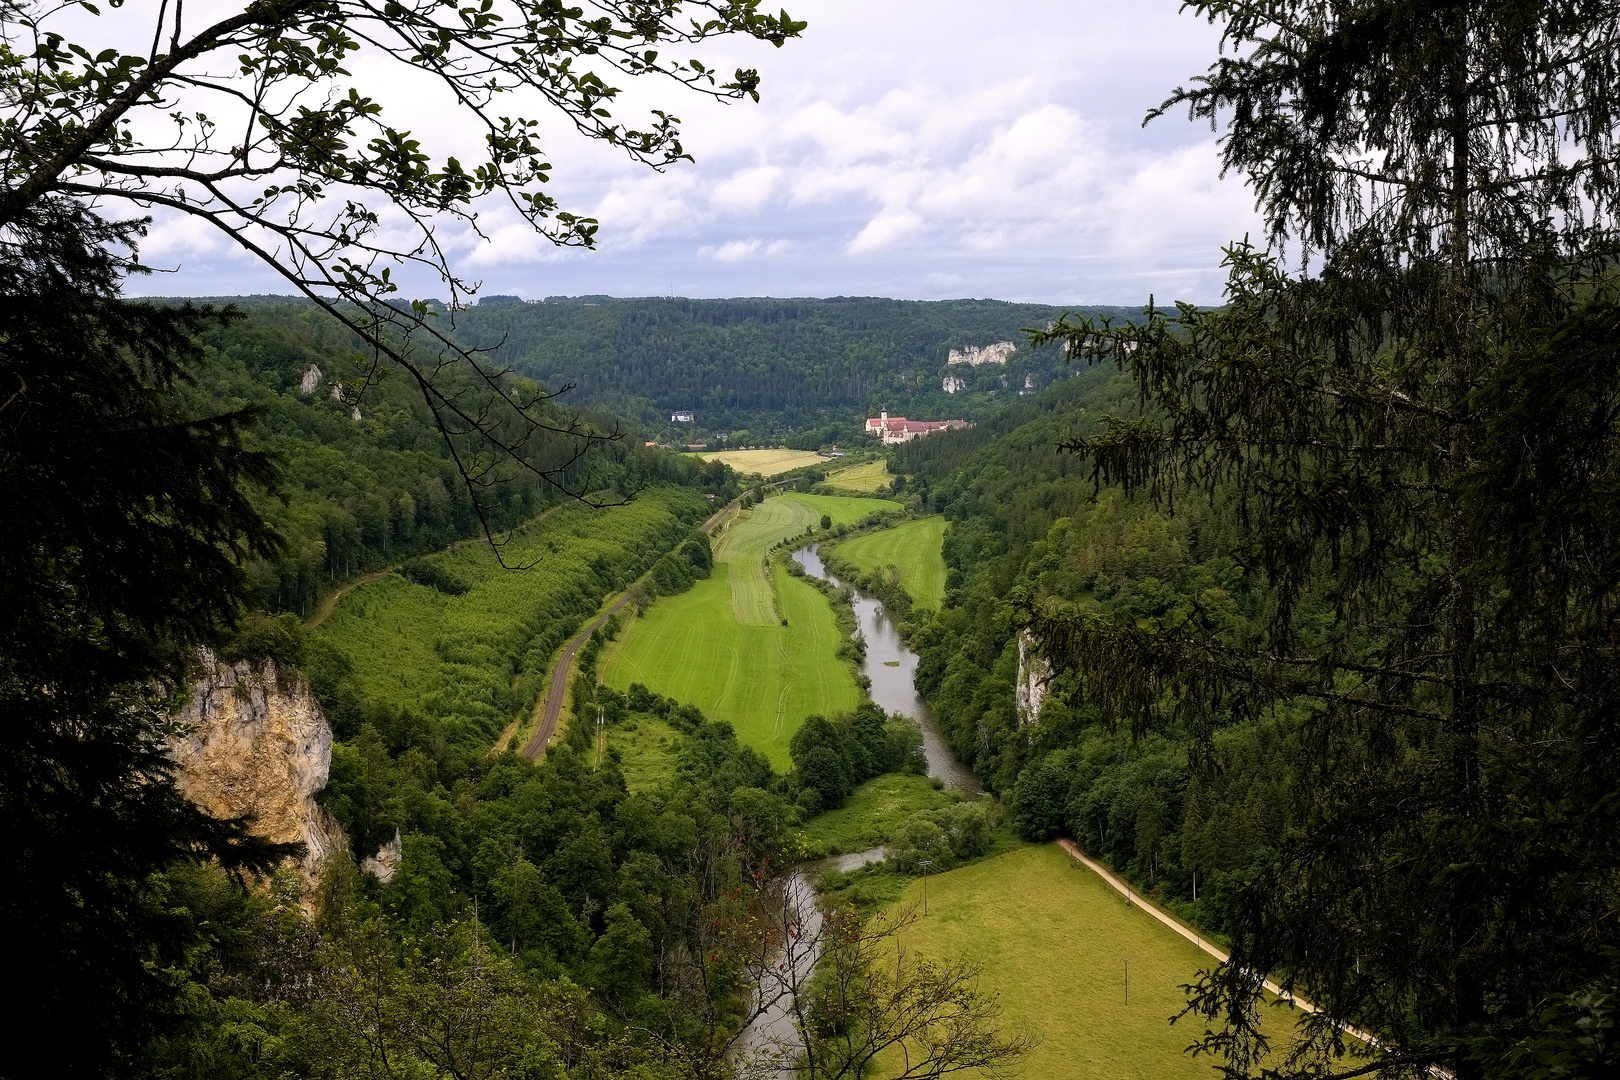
column 1419, row 433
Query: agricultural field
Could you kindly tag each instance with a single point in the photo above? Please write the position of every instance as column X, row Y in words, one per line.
column 914, row 547
column 1054, row 941
column 764, row 462
column 876, row 809
column 475, row 650
column 867, row 476
column 722, row 645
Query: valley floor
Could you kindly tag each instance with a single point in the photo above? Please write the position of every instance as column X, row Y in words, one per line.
column 723, row 646
column 1056, row 943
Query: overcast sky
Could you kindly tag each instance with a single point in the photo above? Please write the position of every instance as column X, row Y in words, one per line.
column 922, row 149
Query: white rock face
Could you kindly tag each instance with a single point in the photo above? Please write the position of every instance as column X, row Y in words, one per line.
column 259, row 746
column 1033, row 675
column 311, row 379
column 999, row 353
column 952, row 384
column 386, row 862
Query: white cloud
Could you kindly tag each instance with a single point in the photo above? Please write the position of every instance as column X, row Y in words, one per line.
column 908, row 148
column 740, row 251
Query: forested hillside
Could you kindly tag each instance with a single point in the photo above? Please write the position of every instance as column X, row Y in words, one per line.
column 803, row 370
column 368, row 479
column 1026, row 523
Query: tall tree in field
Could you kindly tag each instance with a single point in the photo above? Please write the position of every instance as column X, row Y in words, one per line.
column 1419, row 440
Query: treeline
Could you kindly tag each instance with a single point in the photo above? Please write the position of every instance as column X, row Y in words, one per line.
column 367, row 477
column 805, row 371
column 1027, row 527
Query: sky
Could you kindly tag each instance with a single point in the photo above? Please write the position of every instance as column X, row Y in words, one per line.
column 920, row 149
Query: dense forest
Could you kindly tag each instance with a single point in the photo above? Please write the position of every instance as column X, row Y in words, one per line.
column 806, row 371
column 1028, row 524
column 367, row 478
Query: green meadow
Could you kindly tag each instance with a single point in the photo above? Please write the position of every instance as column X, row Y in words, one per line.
column 1054, row 941
column 474, row 652
column 876, row 809
column 722, row 645
column 915, row 548
column 867, row 476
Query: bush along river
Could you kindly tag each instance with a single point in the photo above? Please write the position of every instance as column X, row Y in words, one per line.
column 891, row 667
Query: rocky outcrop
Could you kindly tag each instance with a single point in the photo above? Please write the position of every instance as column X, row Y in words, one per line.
column 1033, row 674
column 258, row 745
column 951, row 384
column 386, row 861
column 998, row 353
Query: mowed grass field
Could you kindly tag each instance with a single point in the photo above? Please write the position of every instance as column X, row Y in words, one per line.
column 721, row 645
column 915, row 547
column 1053, row 941
column 764, row 462
column 867, row 476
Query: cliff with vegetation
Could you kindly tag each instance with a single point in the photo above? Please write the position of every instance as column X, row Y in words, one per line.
column 256, row 744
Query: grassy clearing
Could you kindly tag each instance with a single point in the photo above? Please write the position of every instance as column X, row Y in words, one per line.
column 873, row 812
column 765, row 462
column 647, row 748
column 1053, row 941
column 867, row 476
column 915, row 547
column 721, row 645
column 763, row 679
column 471, row 661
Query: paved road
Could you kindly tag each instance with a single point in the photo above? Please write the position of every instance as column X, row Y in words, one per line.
column 565, row 665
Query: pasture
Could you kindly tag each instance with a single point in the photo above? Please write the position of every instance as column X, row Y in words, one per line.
column 764, row 462
column 722, row 645
column 1053, row 940
column 914, row 547
column 867, row 476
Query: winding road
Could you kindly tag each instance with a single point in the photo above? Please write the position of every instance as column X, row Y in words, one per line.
column 558, row 684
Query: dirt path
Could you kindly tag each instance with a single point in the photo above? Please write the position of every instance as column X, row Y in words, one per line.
column 1124, row 888
column 329, row 605
column 558, row 688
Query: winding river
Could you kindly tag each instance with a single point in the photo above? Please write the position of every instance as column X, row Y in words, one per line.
column 892, row 668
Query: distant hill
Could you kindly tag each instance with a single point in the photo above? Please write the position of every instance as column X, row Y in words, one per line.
column 801, row 370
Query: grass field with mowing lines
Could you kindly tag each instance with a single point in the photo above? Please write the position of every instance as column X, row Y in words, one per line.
column 1053, row 941
column 721, row 645
column 763, row 680
column 916, row 547
column 867, row 476
column 765, row 462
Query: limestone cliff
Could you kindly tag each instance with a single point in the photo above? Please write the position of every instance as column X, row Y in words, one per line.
column 259, row 745
column 1033, row 674
column 998, row 353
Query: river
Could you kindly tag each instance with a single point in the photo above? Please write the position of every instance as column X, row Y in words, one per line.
column 892, row 667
